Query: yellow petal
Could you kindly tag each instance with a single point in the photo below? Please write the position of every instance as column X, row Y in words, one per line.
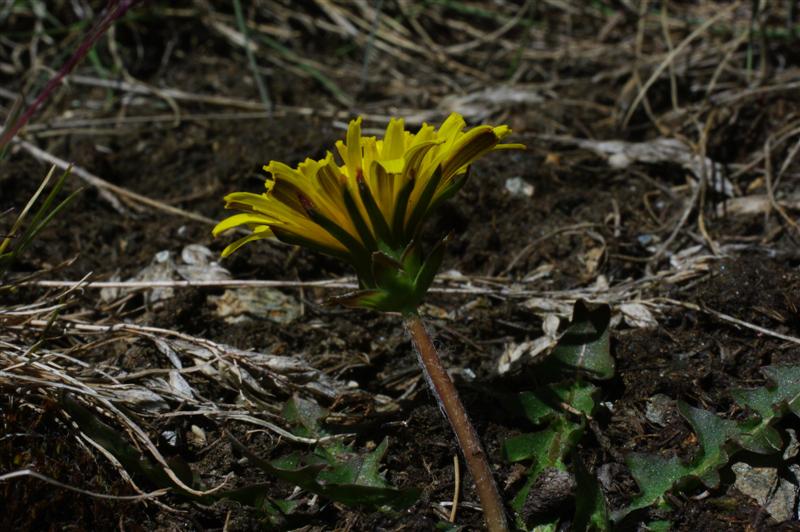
column 247, row 201
column 426, row 133
column 283, row 171
column 451, row 127
column 512, row 146
column 341, row 148
column 415, row 155
column 501, row 131
column 240, row 219
column 393, row 166
column 393, row 141
column 472, row 145
column 258, row 234
column 384, row 189
column 354, row 146
column 309, row 168
column 328, row 178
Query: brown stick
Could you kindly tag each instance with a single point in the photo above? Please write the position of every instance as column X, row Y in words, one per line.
column 446, row 394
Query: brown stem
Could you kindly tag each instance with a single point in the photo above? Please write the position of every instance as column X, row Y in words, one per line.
column 446, row 394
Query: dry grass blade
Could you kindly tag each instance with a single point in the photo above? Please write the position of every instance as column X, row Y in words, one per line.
column 730, row 319
column 668, row 60
column 107, row 190
column 661, row 178
column 29, row 473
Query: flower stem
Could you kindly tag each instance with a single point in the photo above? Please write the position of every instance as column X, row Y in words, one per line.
column 446, row 394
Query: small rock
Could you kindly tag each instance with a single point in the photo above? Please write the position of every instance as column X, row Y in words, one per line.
column 549, row 492
column 534, row 349
column 243, row 304
column 645, row 239
column 199, row 264
column 759, row 483
column 658, row 409
column 196, row 263
column 517, row 186
column 171, row 437
column 161, row 268
column 607, row 475
column 550, row 325
column 793, row 447
column 638, row 316
column 196, row 437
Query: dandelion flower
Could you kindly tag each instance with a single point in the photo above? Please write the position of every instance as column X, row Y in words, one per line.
column 368, row 208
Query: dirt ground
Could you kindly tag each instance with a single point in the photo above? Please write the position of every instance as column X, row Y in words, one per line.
column 188, row 127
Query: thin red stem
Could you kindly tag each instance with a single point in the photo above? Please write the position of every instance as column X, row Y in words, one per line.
column 114, row 10
column 439, row 381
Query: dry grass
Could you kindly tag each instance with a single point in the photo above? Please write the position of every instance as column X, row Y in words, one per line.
column 570, row 78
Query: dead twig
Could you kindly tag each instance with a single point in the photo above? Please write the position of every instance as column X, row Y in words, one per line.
column 456, row 487
column 768, row 178
column 106, row 189
column 30, row 473
column 729, row 319
column 668, row 60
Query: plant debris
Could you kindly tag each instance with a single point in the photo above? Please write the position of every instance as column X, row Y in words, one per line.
column 664, row 182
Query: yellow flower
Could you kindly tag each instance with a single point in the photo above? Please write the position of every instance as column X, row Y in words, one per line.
column 374, row 202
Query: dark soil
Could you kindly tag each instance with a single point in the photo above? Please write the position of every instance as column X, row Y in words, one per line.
column 498, row 237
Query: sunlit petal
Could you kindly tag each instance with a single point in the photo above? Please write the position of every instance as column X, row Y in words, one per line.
column 372, row 204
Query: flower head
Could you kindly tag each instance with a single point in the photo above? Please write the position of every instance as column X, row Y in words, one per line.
column 369, row 208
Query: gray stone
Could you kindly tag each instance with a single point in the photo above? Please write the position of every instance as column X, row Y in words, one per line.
column 658, row 409
column 777, row 495
column 517, row 186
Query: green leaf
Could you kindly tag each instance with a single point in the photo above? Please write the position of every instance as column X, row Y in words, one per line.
column 333, row 469
column 769, row 404
column 548, row 400
column 712, row 433
column 561, row 409
column 361, row 469
column 585, row 346
column 656, row 475
column 591, row 512
column 719, row 438
column 256, row 496
column 34, row 230
column 306, row 416
column 546, row 447
column 411, row 258
column 385, row 268
column 45, row 213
